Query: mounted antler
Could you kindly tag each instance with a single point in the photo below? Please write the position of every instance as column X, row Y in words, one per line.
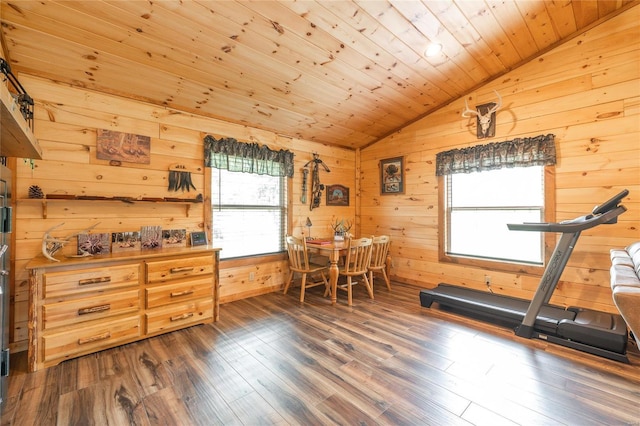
column 484, row 120
column 51, row 245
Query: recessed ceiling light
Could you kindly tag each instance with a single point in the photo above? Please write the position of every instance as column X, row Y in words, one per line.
column 433, row 49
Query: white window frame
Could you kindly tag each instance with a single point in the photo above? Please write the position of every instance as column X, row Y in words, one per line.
column 283, row 207
column 497, row 263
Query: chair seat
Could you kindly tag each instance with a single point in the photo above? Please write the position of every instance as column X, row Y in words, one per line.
column 313, row 267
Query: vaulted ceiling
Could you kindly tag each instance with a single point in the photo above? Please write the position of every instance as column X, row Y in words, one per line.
column 343, row 73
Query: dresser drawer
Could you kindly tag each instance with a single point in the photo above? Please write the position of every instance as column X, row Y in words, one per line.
column 179, row 315
column 78, row 311
column 167, row 294
column 75, row 342
column 166, row 270
column 81, row 282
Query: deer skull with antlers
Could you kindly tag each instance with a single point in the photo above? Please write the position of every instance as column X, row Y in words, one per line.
column 485, row 119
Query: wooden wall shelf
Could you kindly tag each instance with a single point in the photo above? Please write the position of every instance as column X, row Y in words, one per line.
column 16, row 138
column 46, row 201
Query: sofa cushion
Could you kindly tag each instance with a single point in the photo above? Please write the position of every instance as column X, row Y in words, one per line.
column 625, row 284
column 621, row 259
column 633, row 248
column 623, row 275
column 635, row 257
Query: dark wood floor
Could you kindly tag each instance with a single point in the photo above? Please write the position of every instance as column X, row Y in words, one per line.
column 270, row 360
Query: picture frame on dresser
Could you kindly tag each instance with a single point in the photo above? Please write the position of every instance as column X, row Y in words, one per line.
column 199, row 238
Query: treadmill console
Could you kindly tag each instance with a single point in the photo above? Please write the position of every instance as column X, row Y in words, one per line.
column 606, row 212
column 610, row 204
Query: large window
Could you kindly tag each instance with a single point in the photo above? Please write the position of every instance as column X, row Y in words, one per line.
column 485, row 187
column 249, row 213
column 479, row 206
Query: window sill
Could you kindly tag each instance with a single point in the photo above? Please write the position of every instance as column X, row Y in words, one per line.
column 494, row 265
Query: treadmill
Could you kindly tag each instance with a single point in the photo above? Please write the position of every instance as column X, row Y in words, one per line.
column 597, row 333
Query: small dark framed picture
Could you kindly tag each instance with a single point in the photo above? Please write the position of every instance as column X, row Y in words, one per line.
column 337, row 195
column 198, row 239
column 392, row 176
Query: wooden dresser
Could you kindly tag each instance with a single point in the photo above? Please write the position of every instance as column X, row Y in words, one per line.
column 83, row 305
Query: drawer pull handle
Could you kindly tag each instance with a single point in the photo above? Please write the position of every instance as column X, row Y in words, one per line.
column 94, row 309
column 181, row 293
column 181, row 316
column 183, row 269
column 95, row 280
column 102, row 336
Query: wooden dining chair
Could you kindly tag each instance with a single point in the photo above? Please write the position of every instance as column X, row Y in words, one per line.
column 356, row 264
column 299, row 262
column 380, row 251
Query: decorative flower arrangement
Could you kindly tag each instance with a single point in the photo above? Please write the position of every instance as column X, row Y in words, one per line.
column 341, row 228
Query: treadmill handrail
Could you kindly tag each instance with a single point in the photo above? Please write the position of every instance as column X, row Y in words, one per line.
column 575, row 225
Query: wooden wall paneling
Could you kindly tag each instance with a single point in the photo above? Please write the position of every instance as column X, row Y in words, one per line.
column 632, row 106
column 612, row 177
column 94, row 103
column 574, row 151
column 64, row 151
column 572, row 91
column 584, row 91
column 80, row 175
column 235, row 284
column 598, row 135
column 65, row 133
column 67, row 121
column 77, row 115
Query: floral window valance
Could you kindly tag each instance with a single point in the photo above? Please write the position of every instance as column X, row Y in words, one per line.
column 229, row 154
column 519, row 152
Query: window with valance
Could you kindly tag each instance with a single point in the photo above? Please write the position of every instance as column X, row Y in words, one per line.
column 484, row 188
column 249, row 196
column 229, row 154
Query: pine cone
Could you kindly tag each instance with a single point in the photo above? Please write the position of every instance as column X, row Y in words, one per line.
column 35, row 192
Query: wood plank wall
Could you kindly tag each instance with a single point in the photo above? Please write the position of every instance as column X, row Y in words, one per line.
column 66, row 121
column 587, row 93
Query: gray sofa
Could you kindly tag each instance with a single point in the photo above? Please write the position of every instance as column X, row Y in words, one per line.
column 625, row 283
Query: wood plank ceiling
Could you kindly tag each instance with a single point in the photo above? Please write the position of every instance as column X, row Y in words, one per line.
column 343, row 73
